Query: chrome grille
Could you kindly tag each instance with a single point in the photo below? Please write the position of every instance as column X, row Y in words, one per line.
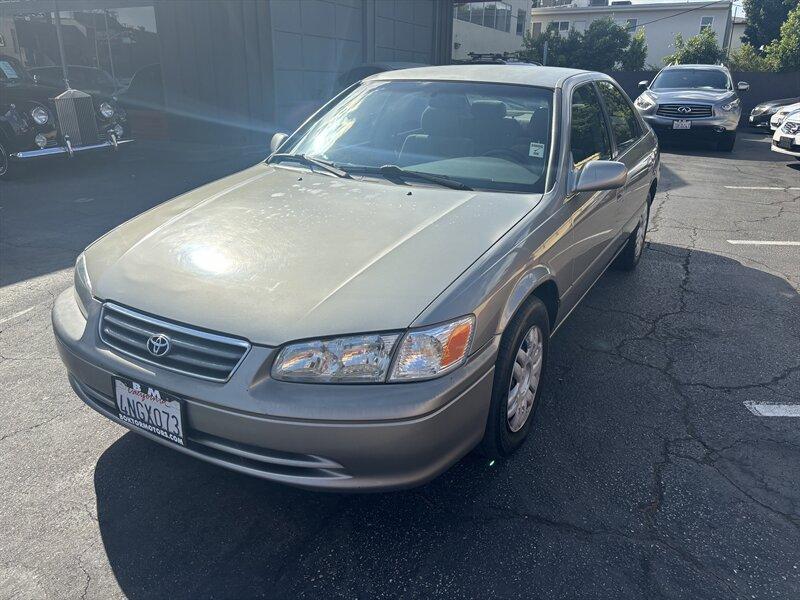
column 679, row 111
column 791, row 127
column 193, row 352
column 76, row 118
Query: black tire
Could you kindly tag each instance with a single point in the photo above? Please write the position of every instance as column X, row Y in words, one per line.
column 6, row 166
column 632, row 252
column 499, row 440
column 726, row 141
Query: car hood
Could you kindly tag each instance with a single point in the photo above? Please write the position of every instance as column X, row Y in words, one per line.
column 274, row 254
column 24, row 91
column 779, row 103
column 688, row 96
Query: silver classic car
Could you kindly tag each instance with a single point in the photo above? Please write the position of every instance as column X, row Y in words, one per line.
column 378, row 297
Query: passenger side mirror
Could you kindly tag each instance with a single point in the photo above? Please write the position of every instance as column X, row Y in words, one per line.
column 742, row 86
column 598, row 175
column 643, row 85
column 276, row 142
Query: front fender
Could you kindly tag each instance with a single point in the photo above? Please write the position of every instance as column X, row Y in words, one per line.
column 522, row 290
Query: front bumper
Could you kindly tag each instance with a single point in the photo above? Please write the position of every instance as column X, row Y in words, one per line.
column 59, row 150
column 711, row 125
column 336, row 437
column 794, row 150
column 760, row 120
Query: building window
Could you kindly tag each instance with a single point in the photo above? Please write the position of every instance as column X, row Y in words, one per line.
column 631, row 24
column 536, row 29
column 520, row 21
column 562, row 26
column 706, row 23
column 495, row 15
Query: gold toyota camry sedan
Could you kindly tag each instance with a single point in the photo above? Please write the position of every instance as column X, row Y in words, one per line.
column 376, row 298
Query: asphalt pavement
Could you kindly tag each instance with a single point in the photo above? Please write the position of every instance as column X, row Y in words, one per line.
column 665, row 463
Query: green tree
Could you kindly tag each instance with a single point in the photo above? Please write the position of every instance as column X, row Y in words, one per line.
column 701, row 49
column 747, row 58
column 636, row 53
column 604, row 46
column 784, row 52
column 764, row 20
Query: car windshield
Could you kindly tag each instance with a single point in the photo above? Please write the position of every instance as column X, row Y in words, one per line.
column 482, row 135
column 11, row 70
column 710, row 79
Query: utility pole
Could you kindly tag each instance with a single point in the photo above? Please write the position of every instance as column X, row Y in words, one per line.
column 544, row 53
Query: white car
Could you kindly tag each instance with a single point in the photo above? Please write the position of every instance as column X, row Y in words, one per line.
column 779, row 116
column 786, row 139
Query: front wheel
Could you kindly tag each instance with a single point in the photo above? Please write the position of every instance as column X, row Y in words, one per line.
column 726, row 141
column 519, row 377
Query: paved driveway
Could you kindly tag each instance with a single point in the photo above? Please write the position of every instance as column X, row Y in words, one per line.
column 652, row 474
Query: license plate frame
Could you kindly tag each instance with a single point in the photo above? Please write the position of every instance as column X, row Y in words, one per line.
column 681, row 124
column 150, row 409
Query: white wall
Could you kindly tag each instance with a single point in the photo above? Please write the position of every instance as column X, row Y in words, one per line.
column 660, row 35
column 470, row 37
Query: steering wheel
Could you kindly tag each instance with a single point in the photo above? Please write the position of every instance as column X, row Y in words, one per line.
column 513, row 155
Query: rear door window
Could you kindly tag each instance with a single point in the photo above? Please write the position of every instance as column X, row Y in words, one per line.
column 624, row 124
column 589, row 138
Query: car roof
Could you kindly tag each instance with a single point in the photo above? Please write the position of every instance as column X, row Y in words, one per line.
column 714, row 67
column 551, row 77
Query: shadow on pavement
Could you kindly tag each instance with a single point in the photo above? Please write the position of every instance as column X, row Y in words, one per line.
column 578, row 501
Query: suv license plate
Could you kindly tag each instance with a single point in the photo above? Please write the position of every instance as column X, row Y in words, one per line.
column 682, row 124
column 149, row 409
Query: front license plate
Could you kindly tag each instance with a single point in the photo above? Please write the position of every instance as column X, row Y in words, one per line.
column 785, row 142
column 149, row 409
column 682, row 124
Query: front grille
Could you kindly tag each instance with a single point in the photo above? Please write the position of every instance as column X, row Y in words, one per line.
column 684, row 111
column 76, row 118
column 191, row 351
column 791, row 127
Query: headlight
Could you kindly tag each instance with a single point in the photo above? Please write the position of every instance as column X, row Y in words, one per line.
column 433, row 352
column 358, row 358
column 106, row 110
column 83, row 286
column 421, row 354
column 39, row 115
column 644, row 102
column 732, row 105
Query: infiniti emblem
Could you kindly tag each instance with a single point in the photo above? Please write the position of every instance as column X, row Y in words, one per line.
column 158, row 344
column 685, row 109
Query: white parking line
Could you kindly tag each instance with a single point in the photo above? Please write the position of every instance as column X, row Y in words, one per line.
column 751, row 187
column 18, row 314
column 762, row 243
column 761, row 409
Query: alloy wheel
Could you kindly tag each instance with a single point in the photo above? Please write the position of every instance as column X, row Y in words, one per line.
column 525, row 377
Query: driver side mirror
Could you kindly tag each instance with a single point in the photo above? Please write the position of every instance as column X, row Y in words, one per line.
column 643, row 85
column 277, row 141
column 599, row 175
column 742, row 86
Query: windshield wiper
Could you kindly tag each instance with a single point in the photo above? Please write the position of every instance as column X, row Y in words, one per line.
column 311, row 162
column 401, row 173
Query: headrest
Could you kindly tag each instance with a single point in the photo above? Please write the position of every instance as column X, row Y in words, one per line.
column 539, row 126
column 488, row 109
column 454, row 102
column 439, row 121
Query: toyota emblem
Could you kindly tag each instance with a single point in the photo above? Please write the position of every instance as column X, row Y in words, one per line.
column 158, row 344
column 685, row 109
